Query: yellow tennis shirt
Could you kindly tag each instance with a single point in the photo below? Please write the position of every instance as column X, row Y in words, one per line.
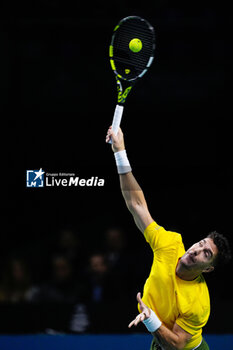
column 174, row 300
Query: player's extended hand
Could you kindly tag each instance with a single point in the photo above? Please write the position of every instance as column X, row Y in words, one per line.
column 145, row 312
column 117, row 140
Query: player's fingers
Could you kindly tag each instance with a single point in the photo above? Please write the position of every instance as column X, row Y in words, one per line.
column 109, row 129
column 131, row 323
column 108, row 136
column 114, row 137
column 139, row 299
column 137, row 320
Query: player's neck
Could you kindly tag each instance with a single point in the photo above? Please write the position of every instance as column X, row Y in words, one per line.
column 185, row 274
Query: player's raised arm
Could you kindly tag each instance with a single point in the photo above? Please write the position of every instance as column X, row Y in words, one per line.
column 130, row 189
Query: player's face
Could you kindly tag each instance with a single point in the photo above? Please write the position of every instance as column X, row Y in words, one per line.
column 200, row 255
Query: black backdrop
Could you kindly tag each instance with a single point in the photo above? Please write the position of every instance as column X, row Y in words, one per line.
column 58, row 95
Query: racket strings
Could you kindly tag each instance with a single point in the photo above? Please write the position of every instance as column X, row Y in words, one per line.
column 134, row 63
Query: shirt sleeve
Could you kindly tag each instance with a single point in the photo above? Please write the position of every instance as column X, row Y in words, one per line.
column 159, row 238
column 192, row 323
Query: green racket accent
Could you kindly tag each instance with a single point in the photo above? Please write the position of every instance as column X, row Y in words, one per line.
column 110, row 51
column 122, row 95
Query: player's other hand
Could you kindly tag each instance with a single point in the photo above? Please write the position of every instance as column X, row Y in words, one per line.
column 117, row 139
column 145, row 312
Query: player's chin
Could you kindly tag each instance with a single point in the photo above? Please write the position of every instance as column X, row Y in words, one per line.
column 186, row 261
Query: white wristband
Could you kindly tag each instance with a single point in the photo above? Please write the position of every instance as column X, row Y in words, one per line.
column 152, row 323
column 122, row 162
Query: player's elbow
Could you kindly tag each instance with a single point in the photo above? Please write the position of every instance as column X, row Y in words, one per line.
column 134, row 206
column 179, row 343
column 180, row 337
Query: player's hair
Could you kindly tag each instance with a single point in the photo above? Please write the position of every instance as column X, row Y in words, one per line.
column 224, row 250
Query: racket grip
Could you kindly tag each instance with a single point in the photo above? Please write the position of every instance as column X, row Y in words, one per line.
column 116, row 119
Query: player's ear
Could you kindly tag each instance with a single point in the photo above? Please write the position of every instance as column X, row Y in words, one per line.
column 208, row 269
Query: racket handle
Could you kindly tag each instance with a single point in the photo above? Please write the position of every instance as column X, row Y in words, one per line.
column 116, row 119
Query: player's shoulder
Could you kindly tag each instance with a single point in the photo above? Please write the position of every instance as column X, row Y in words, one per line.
column 158, row 236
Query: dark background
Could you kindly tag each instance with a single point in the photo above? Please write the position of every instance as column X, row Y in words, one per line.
column 58, row 96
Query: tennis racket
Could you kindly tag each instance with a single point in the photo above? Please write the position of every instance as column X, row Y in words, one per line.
column 131, row 53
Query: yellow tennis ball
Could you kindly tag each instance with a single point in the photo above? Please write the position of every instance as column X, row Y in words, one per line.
column 135, row 45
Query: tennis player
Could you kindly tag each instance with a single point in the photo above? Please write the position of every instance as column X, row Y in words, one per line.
column 175, row 305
